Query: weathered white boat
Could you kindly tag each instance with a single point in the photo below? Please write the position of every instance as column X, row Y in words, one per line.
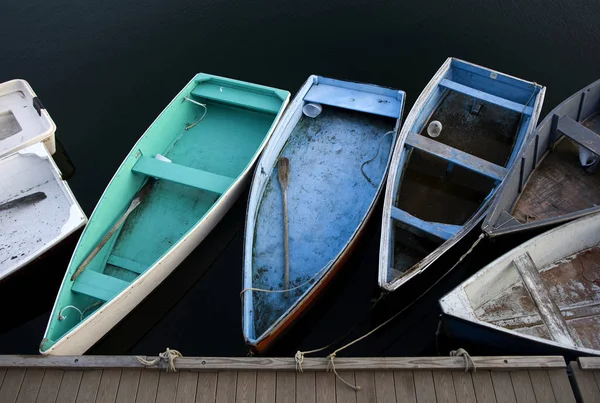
column 23, row 119
column 338, row 137
column 543, row 296
column 455, row 148
column 175, row 185
column 556, row 177
column 37, row 208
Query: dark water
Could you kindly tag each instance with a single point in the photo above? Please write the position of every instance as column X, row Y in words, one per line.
column 105, row 70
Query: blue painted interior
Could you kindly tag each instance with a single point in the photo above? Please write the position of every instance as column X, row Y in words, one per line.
column 412, row 223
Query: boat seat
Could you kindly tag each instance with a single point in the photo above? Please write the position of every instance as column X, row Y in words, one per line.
column 414, row 224
column 493, row 99
column 126, row 264
column 238, row 97
column 183, row 175
column 579, row 133
column 547, row 308
column 456, row 156
column 98, row 285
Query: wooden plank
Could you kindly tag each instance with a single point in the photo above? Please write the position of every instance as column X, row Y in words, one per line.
column 109, row 385
column 69, row 386
column 493, row 99
column 563, row 392
column 484, row 388
column 585, row 384
column 542, row 386
column 522, row 386
column 366, row 381
column 88, row 388
column 343, row 392
column 167, row 387
column 148, row 386
column 405, row 386
column 306, row 387
column 286, row 387
column 503, row 387
column 265, row 387
column 2, row 373
column 444, row 387
column 589, row 362
column 285, row 364
column 186, row 388
column 463, row 386
column 11, row 385
column 439, row 230
column 50, row 385
column 226, row 385
column 385, row 388
column 128, row 385
column 456, row 156
column 424, row 386
column 325, row 382
column 207, row 388
column 579, row 133
column 30, row 386
column 547, row 308
column 246, row 387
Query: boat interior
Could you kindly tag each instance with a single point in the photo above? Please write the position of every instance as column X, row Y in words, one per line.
column 338, row 162
column 456, row 153
column 196, row 149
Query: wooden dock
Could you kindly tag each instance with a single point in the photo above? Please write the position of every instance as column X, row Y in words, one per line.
column 586, row 379
column 124, row 379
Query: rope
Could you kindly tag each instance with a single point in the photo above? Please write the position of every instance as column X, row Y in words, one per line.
column 188, row 126
column 331, row 367
column 81, row 313
column 169, row 356
column 333, row 355
column 289, row 289
column 366, row 162
column 461, row 352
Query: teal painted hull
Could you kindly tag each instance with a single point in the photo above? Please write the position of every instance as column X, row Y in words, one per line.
column 212, row 133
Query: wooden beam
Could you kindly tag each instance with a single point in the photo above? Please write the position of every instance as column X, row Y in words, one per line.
column 310, row 364
column 579, row 133
column 456, row 156
column 439, row 230
column 547, row 308
column 589, row 363
column 505, row 103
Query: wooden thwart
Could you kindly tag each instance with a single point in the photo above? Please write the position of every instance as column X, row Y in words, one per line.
column 578, row 132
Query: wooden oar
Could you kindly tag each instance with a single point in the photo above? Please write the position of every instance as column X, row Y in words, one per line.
column 283, row 174
column 140, row 196
column 21, row 201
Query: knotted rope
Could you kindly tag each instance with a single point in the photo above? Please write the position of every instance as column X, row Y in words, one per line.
column 461, row 352
column 169, row 356
column 331, row 367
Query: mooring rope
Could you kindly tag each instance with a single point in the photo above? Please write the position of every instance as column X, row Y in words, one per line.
column 366, row 162
column 289, row 289
column 332, row 356
column 461, row 352
column 169, row 356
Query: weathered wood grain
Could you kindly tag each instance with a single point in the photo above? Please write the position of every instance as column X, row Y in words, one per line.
column 366, row 381
column 265, row 387
column 2, row 373
column 463, row 387
column 589, row 363
column 147, row 387
column 385, row 388
column 343, row 392
column 128, row 385
column 503, row 387
column 522, row 386
column 246, row 387
column 325, row 382
column 109, row 384
column 11, row 385
column 50, row 385
column 30, row 386
column 306, row 387
column 286, row 387
column 444, row 387
column 585, row 383
column 561, row 386
column 207, row 387
column 424, row 386
column 186, row 388
column 484, row 388
column 88, row 388
column 542, row 386
column 405, row 386
column 284, row 364
column 167, row 387
column 67, row 393
column 226, row 386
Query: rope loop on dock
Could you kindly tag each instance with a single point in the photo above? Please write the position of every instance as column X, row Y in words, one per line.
column 461, row 352
column 169, row 356
column 331, row 368
column 299, row 358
